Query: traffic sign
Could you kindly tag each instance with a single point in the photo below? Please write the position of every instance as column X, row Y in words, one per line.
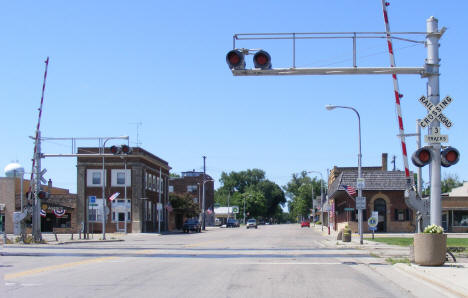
column 92, row 199
column 435, row 139
column 360, row 183
column 435, row 112
column 361, row 203
column 373, row 221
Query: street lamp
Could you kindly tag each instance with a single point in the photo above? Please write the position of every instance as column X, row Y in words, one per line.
column 244, row 205
column 104, row 200
column 359, row 185
column 321, row 193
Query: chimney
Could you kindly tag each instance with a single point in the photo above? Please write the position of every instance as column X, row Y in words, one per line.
column 49, row 185
column 384, row 161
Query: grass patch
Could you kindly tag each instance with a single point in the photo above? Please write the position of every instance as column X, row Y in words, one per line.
column 394, row 241
column 374, row 255
column 459, row 242
column 451, row 242
column 395, row 261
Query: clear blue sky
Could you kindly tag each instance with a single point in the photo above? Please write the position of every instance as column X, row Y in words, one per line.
column 162, row 63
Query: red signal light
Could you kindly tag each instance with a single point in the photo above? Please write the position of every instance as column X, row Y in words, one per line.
column 235, row 59
column 262, row 60
column 115, row 150
column 422, row 156
column 449, row 156
column 126, row 149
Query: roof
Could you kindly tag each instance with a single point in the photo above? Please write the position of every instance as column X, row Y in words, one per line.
column 374, row 180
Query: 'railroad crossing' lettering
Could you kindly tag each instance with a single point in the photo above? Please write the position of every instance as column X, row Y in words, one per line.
column 435, row 112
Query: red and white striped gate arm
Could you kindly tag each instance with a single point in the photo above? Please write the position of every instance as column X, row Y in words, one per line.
column 38, row 123
column 397, row 94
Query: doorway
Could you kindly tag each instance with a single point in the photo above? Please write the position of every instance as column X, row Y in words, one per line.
column 121, row 224
column 381, row 207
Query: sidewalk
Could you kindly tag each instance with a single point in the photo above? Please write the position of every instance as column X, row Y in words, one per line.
column 451, row 277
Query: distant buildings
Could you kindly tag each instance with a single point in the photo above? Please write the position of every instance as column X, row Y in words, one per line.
column 190, row 186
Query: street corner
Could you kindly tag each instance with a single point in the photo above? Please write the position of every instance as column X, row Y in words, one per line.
column 450, row 277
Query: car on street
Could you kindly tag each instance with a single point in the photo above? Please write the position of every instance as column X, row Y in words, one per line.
column 232, row 223
column 251, row 223
column 191, row 224
column 305, row 223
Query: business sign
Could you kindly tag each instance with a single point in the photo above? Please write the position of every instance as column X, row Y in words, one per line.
column 235, row 209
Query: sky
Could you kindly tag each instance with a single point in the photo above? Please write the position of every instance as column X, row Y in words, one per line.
column 114, row 64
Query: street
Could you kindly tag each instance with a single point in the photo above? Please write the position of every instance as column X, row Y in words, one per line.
column 271, row 261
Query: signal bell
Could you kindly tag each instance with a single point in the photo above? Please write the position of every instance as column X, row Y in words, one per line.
column 449, row 157
column 262, row 60
column 422, row 156
column 235, row 59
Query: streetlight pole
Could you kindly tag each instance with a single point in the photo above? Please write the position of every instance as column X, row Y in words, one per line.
column 321, row 192
column 103, row 180
column 244, row 210
column 359, row 185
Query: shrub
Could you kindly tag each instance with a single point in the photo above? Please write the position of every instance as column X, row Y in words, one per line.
column 318, row 222
column 433, row 229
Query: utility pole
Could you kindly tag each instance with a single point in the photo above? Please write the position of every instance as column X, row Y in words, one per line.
column 203, row 203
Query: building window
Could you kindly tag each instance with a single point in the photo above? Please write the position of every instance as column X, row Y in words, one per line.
column 120, row 179
column 460, row 218
column 171, row 188
column 191, row 188
column 402, row 215
column 94, row 177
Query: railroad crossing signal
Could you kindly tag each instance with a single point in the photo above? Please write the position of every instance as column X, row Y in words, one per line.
column 435, row 112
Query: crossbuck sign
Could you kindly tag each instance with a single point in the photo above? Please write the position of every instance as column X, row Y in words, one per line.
column 435, row 112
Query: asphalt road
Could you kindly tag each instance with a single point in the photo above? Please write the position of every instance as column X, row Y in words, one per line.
column 271, row 261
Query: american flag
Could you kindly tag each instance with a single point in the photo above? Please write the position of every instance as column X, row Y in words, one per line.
column 350, row 190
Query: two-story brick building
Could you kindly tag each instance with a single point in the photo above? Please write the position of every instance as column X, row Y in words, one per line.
column 141, row 179
column 191, row 184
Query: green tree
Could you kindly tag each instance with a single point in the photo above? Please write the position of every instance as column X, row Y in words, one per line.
column 449, row 182
column 299, row 192
column 184, row 203
column 263, row 197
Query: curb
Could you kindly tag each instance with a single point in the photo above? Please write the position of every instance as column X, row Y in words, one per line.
column 443, row 284
column 90, row 241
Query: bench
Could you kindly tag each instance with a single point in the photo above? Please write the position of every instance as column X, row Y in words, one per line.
column 63, row 231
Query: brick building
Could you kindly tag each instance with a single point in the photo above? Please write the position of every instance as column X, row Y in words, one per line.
column 191, row 183
column 455, row 210
column 141, row 178
column 59, row 209
column 384, row 192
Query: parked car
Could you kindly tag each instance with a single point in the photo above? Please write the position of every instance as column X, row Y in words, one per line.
column 305, row 223
column 251, row 223
column 191, row 224
column 232, row 223
column 218, row 222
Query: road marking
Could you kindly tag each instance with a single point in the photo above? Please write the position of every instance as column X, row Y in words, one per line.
column 54, row 267
column 202, row 243
column 291, row 263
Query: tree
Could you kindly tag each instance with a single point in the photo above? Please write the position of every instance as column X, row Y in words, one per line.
column 299, row 191
column 263, row 197
column 185, row 204
column 449, row 182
